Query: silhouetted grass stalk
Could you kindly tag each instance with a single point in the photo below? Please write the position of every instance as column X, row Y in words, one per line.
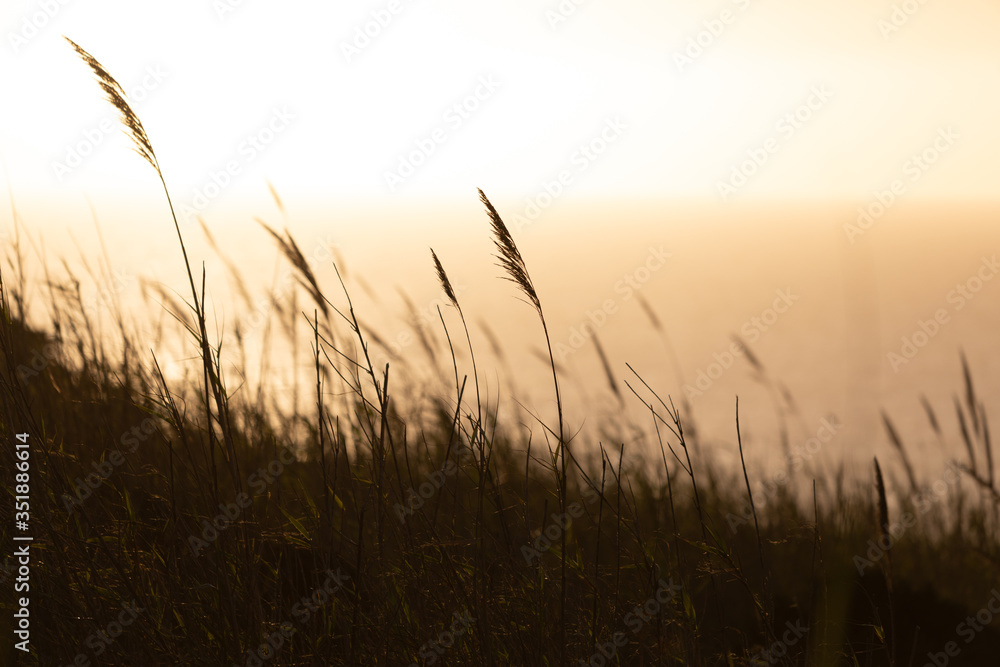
column 517, row 272
column 212, row 376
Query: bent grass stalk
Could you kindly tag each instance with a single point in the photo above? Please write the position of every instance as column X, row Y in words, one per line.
column 421, row 562
column 885, row 533
column 212, row 380
column 517, row 272
column 480, row 436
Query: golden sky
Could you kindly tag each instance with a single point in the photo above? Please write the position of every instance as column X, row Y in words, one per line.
column 694, row 124
column 398, row 99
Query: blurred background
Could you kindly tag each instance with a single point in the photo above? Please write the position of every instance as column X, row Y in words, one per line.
column 818, row 180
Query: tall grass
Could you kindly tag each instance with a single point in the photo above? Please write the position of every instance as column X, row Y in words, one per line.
column 415, row 526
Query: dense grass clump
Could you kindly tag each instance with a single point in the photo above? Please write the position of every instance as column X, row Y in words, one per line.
column 183, row 522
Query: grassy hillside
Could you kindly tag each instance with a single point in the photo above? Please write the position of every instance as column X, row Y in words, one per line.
column 374, row 520
column 204, row 525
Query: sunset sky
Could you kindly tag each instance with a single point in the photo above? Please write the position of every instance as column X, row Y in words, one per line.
column 695, row 125
column 506, row 97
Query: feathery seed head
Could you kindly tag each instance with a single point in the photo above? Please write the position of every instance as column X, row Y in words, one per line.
column 443, row 277
column 290, row 249
column 508, row 254
column 115, row 94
